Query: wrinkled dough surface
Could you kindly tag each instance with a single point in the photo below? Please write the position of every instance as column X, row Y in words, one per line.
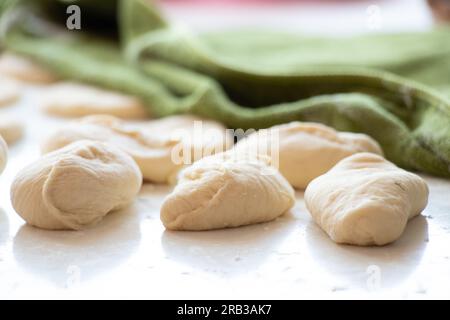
column 221, row 192
column 11, row 129
column 10, row 91
column 365, row 200
column 306, row 150
column 152, row 144
column 75, row 186
column 3, row 154
column 68, row 99
column 23, row 69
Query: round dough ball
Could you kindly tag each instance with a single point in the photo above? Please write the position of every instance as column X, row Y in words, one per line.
column 224, row 191
column 365, row 200
column 23, row 69
column 159, row 147
column 11, row 129
column 3, row 154
column 68, row 99
column 303, row 151
column 10, row 91
column 76, row 186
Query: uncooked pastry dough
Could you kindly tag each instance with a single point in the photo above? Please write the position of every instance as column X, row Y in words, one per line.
column 75, row 186
column 68, row 99
column 23, row 69
column 3, row 154
column 305, row 149
column 10, row 91
column 365, row 200
column 11, row 129
column 223, row 191
column 151, row 144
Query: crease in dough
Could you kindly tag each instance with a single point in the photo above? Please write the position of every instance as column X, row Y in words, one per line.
column 76, row 186
column 365, row 200
column 303, row 151
column 224, row 191
column 160, row 147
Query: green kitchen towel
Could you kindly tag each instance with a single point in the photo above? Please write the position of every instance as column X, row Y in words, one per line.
column 395, row 88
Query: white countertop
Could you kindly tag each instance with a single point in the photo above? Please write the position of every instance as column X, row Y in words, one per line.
column 130, row 255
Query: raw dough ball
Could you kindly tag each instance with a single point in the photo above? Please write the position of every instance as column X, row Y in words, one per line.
column 305, row 150
column 10, row 91
column 223, row 191
column 11, row 129
column 365, row 200
column 159, row 147
column 3, row 154
column 75, row 186
column 76, row 100
column 24, row 69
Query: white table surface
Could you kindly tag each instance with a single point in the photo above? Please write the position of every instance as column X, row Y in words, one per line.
column 130, row 255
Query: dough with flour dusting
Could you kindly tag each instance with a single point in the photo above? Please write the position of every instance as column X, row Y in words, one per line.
column 160, row 147
column 11, row 129
column 3, row 154
column 224, row 191
column 365, row 200
column 10, row 91
column 23, row 69
column 305, row 150
column 75, row 186
column 69, row 99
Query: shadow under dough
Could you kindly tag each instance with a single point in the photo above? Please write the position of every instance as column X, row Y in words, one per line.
column 55, row 254
column 229, row 251
column 4, row 227
column 395, row 261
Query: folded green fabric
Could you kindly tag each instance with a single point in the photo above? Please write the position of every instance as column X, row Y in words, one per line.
column 395, row 88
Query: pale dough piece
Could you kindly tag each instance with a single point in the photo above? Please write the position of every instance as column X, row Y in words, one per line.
column 11, row 129
column 222, row 191
column 68, row 99
column 76, row 186
column 10, row 91
column 23, row 69
column 153, row 145
column 365, row 200
column 3, row 154
column 305, row 150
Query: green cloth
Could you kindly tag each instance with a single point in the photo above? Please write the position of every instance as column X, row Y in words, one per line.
column 395, row 88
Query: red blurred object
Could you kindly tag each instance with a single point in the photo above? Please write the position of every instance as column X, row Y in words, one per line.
column 441, row 9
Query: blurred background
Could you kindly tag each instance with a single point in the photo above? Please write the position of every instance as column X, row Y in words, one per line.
column 329, row 17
